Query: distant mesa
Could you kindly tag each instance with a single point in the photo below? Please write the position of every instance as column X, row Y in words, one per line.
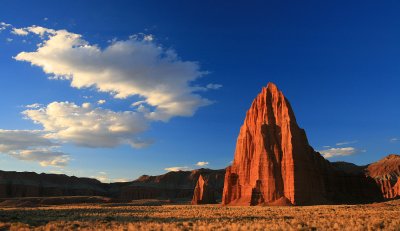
column 170, row 186
column 274, row 164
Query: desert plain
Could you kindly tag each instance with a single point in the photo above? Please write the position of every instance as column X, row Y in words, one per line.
column 162, row 215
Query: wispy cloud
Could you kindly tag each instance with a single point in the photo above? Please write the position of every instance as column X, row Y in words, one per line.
column 105, row 178
column 346, row 143
column 4, row 26
column 35, row 105
column 176, row 169
column 202, row 163
column 394, row 139
column 334, row 152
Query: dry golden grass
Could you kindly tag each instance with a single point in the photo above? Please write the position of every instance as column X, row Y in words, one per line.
column 208, row 217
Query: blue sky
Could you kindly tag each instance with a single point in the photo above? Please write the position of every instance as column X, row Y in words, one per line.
column 337, row 62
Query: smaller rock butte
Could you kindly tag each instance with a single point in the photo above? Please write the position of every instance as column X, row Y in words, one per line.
column 204, row 192
column 172, row 185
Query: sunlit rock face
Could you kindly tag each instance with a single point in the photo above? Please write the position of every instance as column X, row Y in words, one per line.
column 273, row 159
column 386, row 173
column 274, row 163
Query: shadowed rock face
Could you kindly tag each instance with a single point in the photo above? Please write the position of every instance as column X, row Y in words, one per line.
column 30, row 184
column 204, row 192
column 386, row 173
column 274, row 162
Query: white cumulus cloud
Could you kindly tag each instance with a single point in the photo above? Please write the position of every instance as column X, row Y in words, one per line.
column 134, row 67
column 88, row 126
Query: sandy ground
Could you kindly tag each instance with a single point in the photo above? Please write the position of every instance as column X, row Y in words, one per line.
column 128, row 216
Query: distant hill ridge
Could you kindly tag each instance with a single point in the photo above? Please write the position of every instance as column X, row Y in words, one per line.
column 170, row 185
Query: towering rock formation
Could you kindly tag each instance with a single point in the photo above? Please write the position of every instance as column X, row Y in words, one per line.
column 386, row 174
column 273, row 159
column 204, row 192
column 274, row 163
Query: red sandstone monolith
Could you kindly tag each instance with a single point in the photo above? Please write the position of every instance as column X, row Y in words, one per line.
column 273, row 160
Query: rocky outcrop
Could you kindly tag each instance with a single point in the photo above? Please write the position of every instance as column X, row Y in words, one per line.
column 274, row 162
column 204, row 192
column 386, row 173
